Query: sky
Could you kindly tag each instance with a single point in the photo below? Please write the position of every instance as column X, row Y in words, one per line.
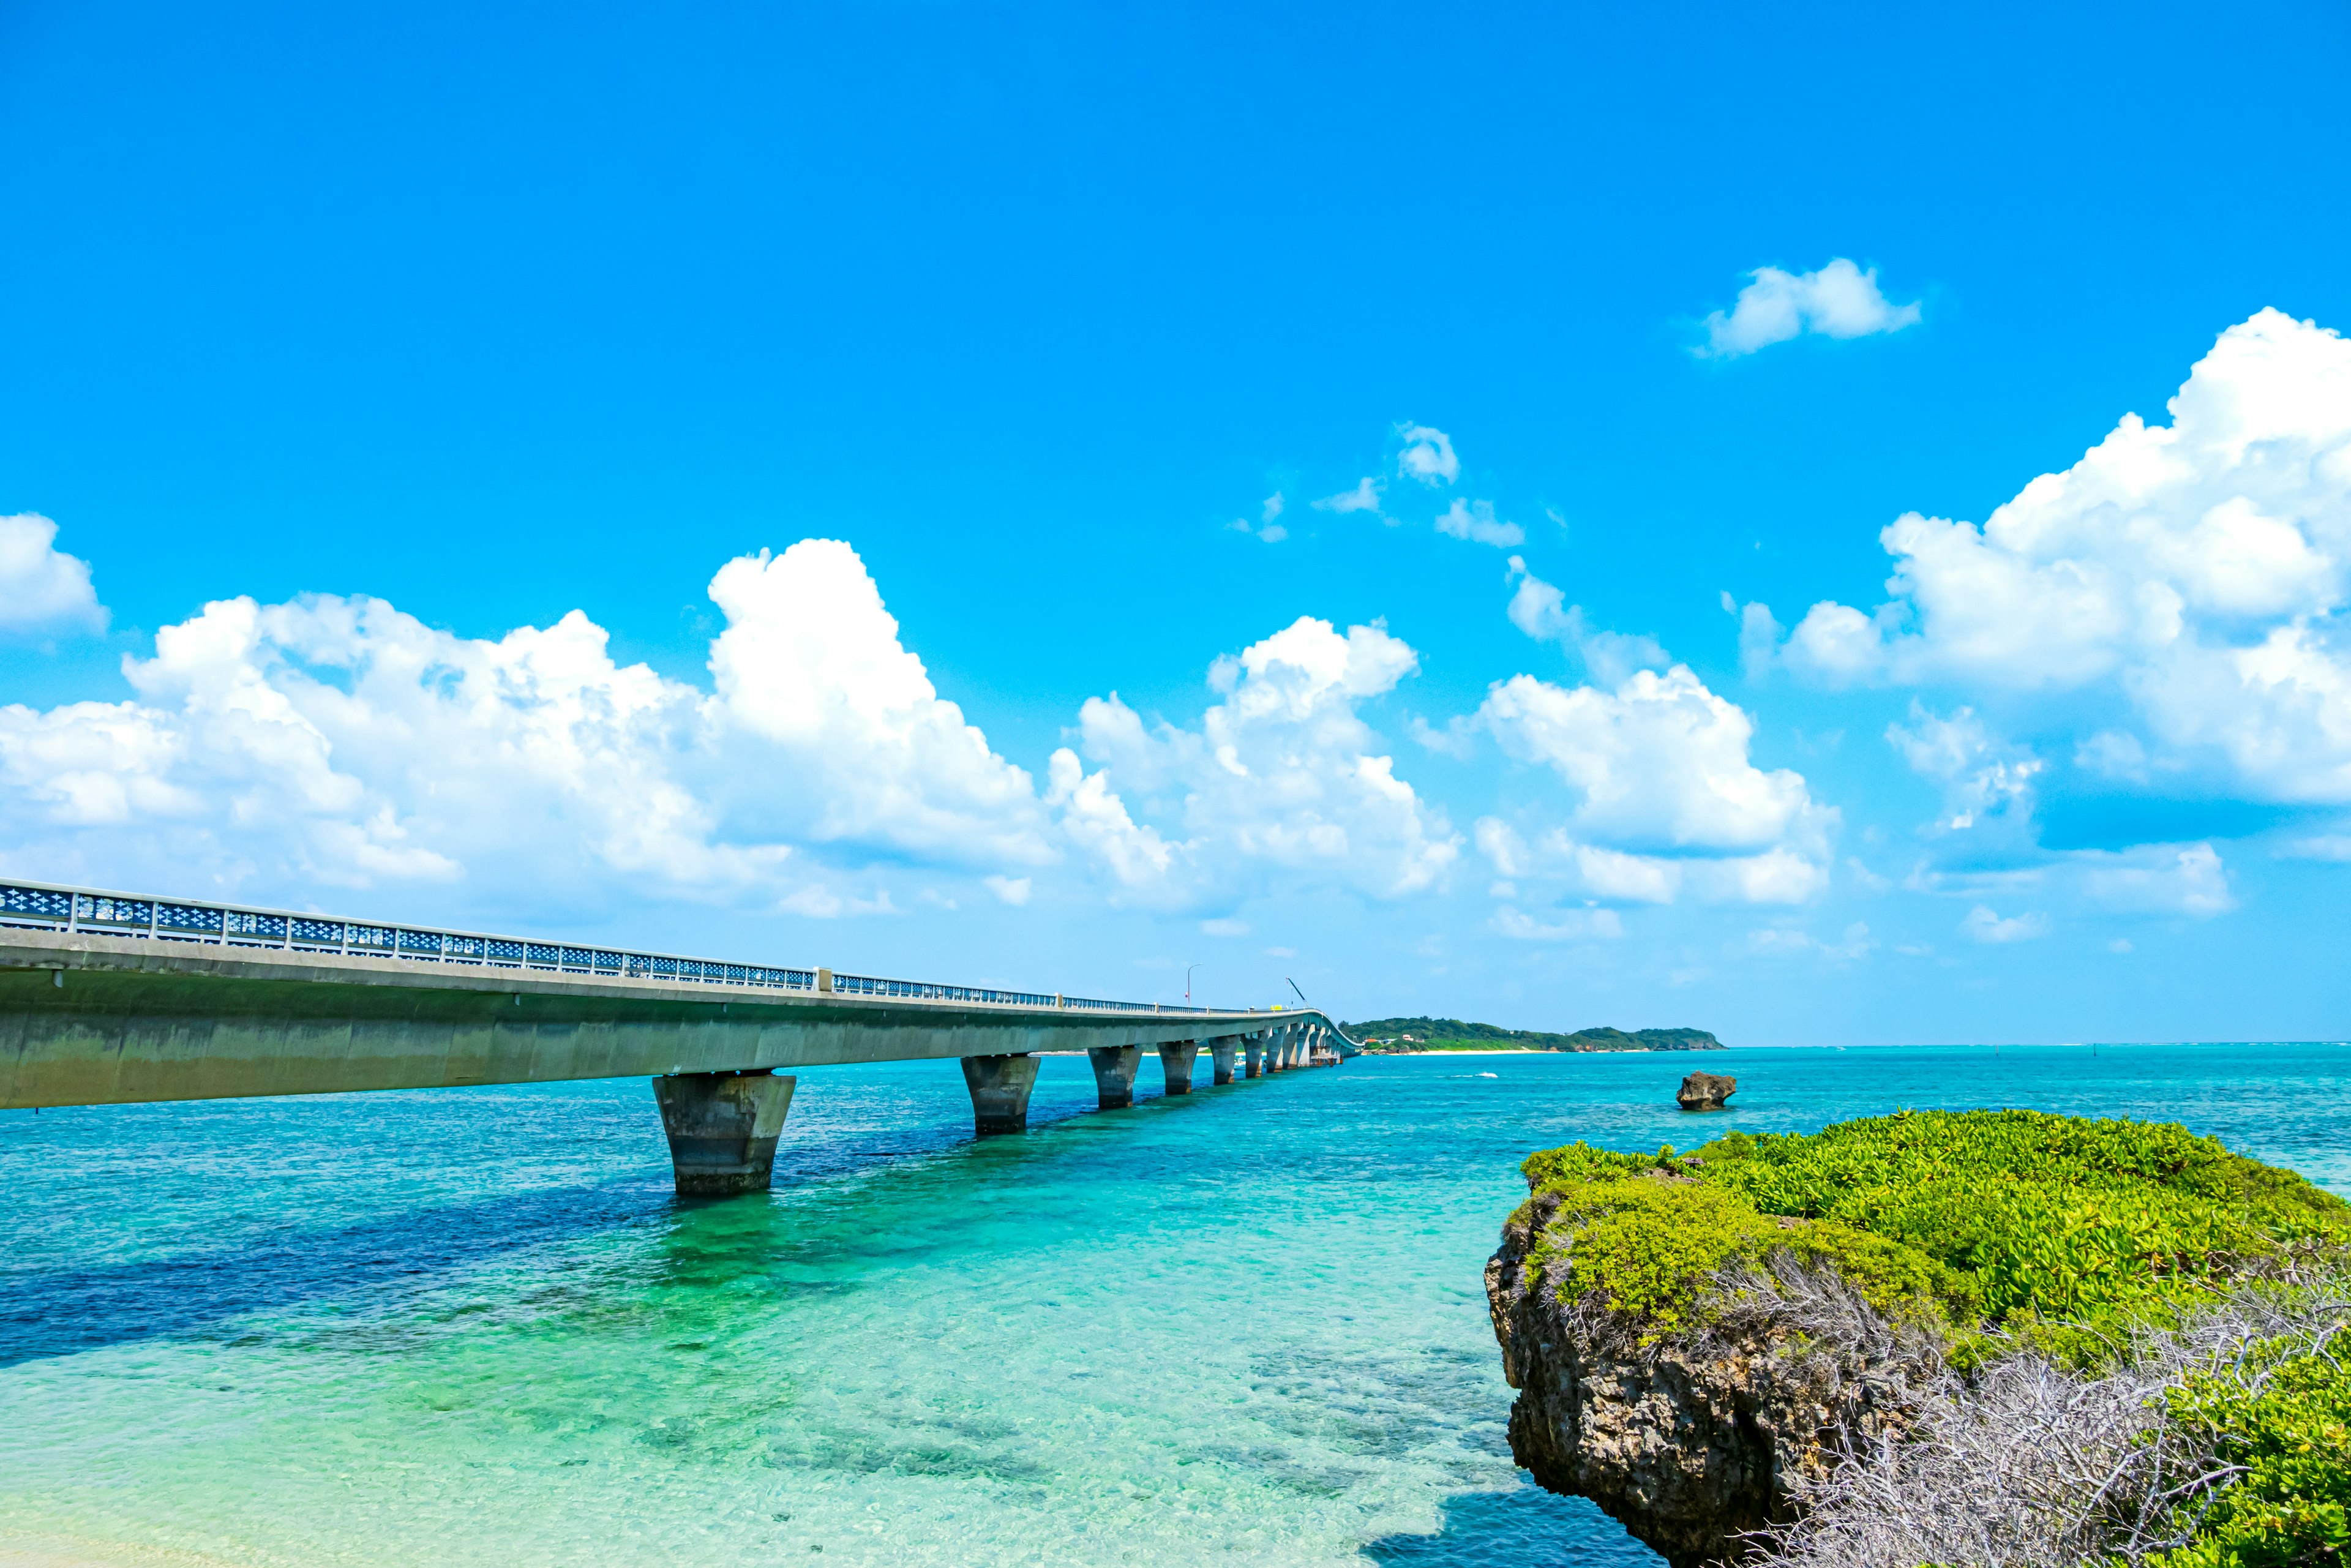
column 1831, row 527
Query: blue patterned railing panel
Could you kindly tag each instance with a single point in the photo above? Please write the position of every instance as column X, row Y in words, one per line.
column 32, row 904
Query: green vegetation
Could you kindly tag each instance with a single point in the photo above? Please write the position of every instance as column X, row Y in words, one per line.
column 2292, row 1436
column 2008, row 1217
column 1452, row 1034
column 1998, row 1230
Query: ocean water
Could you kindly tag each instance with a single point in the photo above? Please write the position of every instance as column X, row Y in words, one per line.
column 1242, row 1327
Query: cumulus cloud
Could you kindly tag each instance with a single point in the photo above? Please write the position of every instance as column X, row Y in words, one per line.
column 2193, row 574
column 1662, row 799
column 42, row 588
column 1542, row 612
column 1428, row 454
column 1474, row 520
column 1282, row 779
column 340, row 742
column 1840, row 300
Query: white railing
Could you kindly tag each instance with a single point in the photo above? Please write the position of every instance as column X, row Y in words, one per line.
column 46, row 907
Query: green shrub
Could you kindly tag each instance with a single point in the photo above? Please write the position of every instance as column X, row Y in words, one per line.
column 2291, row 1505
column 2049, row 1225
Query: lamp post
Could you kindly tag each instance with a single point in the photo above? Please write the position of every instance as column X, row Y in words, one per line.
column 1187, row 981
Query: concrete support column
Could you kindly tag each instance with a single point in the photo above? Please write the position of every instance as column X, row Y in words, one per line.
column 722, row 1128
column 1253, row 1057
column 1115, row 1067
column 1221, row 1057
column 999, row 1089
column 1280, row 1060
column 1176, row 1061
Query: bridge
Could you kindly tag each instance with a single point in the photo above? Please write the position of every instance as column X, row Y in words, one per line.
column 114, row 998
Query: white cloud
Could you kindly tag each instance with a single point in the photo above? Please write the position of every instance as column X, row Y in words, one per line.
column 1569, row 926
column 865, row 750
column 2196, row 572
column 1428, row 455
column 1983, row 925
column 1224, row 927
column 1281, row 952
column 1011, row 890
column 1661, row 761
column 1662, row 799
column 338, row 742
column 1283, row 780
column 1610, row 656
column 2318, row 847
column 1364, row 498
column 1789, row 941
column 1840, row 300
column 42, row 588
column 1266, row 528
column 1984, row 780
column 1474, row 520
column 2158, row 879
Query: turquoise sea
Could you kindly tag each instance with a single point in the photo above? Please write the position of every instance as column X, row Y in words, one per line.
column 1243, row 1327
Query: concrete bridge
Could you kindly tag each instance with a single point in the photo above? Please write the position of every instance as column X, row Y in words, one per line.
column 112, row 999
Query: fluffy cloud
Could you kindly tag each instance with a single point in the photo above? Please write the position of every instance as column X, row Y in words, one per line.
column 1840, row 300
column 42, row 588
column 340, row 742
column 1428, row 454
column 2193, row 574
column 1283, row 780
column 1663, row 798
column 1474, row 520
column 1542, row 612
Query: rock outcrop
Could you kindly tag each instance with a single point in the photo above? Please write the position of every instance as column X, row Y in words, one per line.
column 1706, row 1092
column 1695, row 1440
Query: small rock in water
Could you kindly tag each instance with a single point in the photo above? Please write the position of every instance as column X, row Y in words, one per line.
column 1706, row 1092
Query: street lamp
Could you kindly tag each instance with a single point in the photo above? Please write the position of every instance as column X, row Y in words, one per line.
column 1188, row 980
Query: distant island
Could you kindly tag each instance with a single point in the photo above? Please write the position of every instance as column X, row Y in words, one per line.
column 1405, row 1035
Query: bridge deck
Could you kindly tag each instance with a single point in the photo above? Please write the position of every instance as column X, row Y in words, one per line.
column 92, row 1019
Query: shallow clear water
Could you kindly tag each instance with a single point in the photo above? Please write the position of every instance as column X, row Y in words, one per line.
column 1244, row 1327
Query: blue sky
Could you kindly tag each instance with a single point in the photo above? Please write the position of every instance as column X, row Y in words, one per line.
column 397, row 335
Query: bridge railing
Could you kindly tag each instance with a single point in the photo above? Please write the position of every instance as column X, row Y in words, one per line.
column 46, row 907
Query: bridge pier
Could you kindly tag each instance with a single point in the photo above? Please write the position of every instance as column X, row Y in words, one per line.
column 1114, row 1069
column 1221, row 1057
column 1177, row 1060
column 1253, row 1056
column 723, row 1128
column 999, row 1089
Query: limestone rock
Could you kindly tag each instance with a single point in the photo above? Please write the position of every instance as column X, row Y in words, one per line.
column 1706, row 1092
column 1693, row 1441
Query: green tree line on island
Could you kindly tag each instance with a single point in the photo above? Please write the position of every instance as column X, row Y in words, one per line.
column 1453, row 1034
